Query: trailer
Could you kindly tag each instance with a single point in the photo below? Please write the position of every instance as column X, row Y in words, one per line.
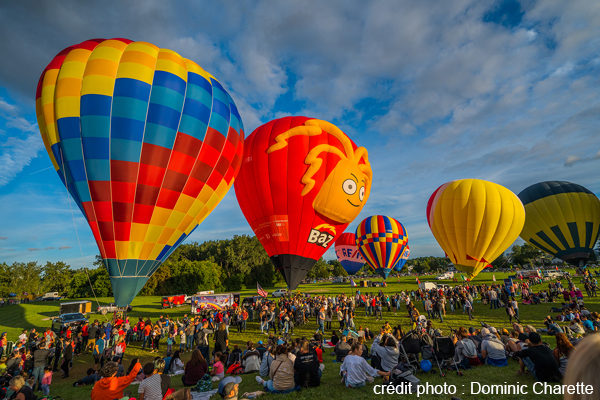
column 173, row 301
column 215, row 302
column 71, row 307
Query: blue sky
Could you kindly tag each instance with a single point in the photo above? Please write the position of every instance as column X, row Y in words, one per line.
column 504, row 91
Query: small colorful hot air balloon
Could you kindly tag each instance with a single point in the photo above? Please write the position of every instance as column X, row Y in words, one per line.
column 302, row 181
column 146, row 142
column 402, row 260
column 347, row 253
column 381, row 241
column 474, row 221
column 562, row 219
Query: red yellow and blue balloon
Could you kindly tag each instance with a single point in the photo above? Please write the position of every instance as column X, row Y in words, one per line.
column 146, row 142
column 381, row 241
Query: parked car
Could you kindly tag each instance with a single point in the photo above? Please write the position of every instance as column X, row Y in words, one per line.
column 73, row 320
column 112, row 307
column 280, row 293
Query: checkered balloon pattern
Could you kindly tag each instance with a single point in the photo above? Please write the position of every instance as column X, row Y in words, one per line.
column 147, row 144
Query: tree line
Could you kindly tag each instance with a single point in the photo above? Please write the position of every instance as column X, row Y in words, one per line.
column 220, row 265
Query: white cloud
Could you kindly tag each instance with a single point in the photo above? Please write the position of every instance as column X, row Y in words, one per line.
column 17, row 154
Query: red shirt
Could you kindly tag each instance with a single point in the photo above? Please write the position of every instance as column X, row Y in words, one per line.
column 84, row 330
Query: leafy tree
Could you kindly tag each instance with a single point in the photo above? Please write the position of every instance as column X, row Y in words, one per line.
column 337, row 269
column 56, row 277
column 500, row 262
column 319, row 270
column 25, row 277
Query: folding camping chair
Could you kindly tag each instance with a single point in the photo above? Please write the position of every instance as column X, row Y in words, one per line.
column 443, row 353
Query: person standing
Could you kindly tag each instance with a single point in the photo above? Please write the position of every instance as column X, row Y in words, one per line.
column 469, row 308
column 67, row 358
column 98, row 351
column 40, row 360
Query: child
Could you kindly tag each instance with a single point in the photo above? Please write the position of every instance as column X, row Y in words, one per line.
column 47, row 380
column 218, row 370
column 170, row 341
column 182, row 341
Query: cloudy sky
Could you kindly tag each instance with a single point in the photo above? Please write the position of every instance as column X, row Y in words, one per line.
column 505, row 91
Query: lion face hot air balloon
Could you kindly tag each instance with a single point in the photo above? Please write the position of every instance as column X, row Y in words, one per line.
column 474, row 221
column 381, row 241
column 347, row 253
column 562, row 219
column 301, row 182
column 402, row 260
column 146, row 142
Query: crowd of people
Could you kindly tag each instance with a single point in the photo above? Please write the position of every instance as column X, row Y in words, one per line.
column 284, row 364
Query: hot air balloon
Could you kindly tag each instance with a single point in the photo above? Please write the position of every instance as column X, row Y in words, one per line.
column 474, row 221
column 562, row 219
column 302, row 181
column 147, row 144
column 381, row 241
column 347, row 253
column 402, row 260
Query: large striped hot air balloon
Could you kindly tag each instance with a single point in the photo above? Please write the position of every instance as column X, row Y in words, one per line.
column 474, row 221
column 402, row 260
column 301, row 183
column 381, row 240
column 146, row 142
column 347, row 253
column 562, row 219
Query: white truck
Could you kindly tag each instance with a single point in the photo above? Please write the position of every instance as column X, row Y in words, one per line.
column 427, row 285
column 445, row 275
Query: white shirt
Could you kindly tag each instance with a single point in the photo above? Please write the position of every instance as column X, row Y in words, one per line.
column 151, row 387
column 356, row 368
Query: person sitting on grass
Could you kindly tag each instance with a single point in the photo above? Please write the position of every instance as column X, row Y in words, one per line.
column 150, row 388
column 176, row 366
column 306, row 366
column 91, row 378
column 354, row 369
column 195, row 369
column 466, row 351
column 563, row 351
column 492, row 349
column 386, row 348
column 229, row 387
column 267, row 359
column 218, row 369
column 539, row 360
column 281, row 373
column 110, row 387
column 341, row 349
column 552, row 328
column 251, row 358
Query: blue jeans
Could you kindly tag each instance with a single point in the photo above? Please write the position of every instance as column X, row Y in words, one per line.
column 189, row 342
column 145, row 340
column 204, row 351
column 530, row 366
column 367, row 311
column 321, row 327
column 38, row 374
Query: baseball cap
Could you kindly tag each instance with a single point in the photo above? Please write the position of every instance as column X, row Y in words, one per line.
column 485, row 331
column 492, row 329
column 260, row 342
column 535, row 337
column 471, row 330
column 226, row 385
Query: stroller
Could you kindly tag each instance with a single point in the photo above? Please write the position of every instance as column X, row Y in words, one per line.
column 443, row 353
column 410, row 347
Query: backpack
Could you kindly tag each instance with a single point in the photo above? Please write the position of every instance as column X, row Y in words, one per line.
column 204, row 384
column 235, row 357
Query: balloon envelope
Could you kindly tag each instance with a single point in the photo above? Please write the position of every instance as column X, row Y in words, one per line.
column 301, row 183
column 381, row 241
column 402, row 260
column 146, row 142
column 474, row 221
column 347, row 253
column 562, row 219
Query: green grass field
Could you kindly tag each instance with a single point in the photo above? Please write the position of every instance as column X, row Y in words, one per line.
column 17, row 317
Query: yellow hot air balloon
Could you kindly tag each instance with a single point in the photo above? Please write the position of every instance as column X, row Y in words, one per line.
column 563, row 219
column 474, row 221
